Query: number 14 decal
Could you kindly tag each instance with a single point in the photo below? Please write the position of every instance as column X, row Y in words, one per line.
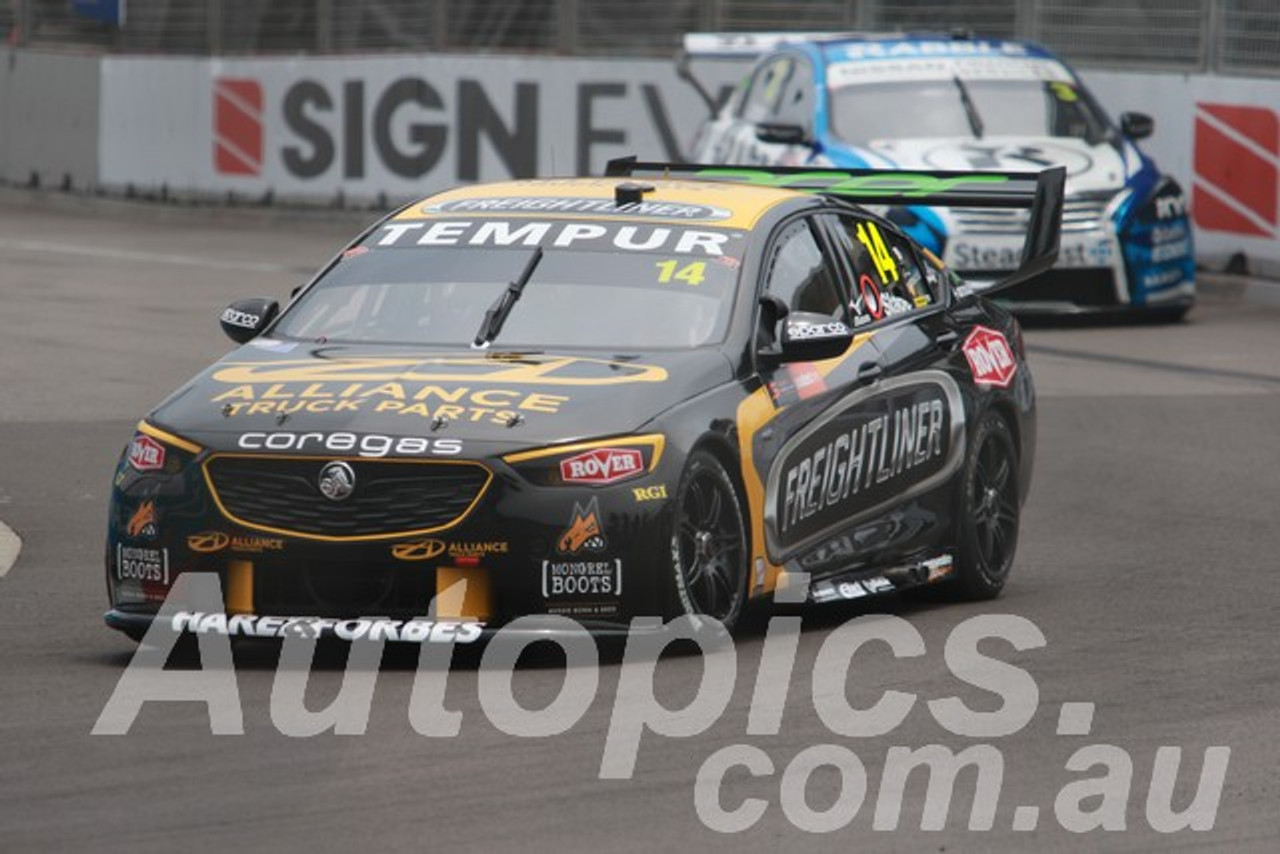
column 692, row 273
column 869, row 236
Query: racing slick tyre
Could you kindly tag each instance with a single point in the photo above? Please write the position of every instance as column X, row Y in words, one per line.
column 988, row 512
column 708, row 544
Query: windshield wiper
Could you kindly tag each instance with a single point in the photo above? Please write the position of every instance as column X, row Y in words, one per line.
column 496, row 315
column 970, row 111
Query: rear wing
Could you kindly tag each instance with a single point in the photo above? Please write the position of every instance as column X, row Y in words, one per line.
column 1041, row 192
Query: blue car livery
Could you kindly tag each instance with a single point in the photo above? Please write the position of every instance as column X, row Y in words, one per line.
column 960, row 103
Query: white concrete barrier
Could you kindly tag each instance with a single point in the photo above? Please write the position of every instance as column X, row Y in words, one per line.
column 48, row 118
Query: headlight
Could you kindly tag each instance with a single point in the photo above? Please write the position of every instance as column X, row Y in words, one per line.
column 597, row 463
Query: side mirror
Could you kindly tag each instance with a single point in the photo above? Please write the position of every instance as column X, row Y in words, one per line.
column 244, row 319
column 782, row 134
column 811, row 337
column 1137, row 125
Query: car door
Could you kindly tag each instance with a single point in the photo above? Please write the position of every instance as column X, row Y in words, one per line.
column 802, row 272
column 864, row 475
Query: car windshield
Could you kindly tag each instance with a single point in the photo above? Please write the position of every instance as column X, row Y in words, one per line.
column 394, row 290
column 926, row 109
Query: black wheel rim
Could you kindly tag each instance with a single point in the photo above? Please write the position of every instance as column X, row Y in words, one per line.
column 995, row 502
column 709, row 539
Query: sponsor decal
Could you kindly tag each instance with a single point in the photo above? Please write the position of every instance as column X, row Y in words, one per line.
column 418, row 550
column 430, row 549
column 510, row 369
column 559, row 235
column 256, row 545
column 1237, row 169
column 237, row 126
column 579, row 205
column 1159, row 247
column 142, row 564
column 806, row 379
column 925, row 48
column 1159, row 279
column 415, row 630
column 869, row 306
column 584, row 532
column 337, row 481
column 600, row 466
column 880, row 446
column 371, row 445
column 1175, row 250
column 656, row 492
column 475, row 389
column 144, row 523
column 829, row 591
column 801, row 331
column 990, row 357
column 581, row 578
column 236, row 317
column 868, row 234
column 208, row 541
column 495, row 406
column 795, row 382
column 991, row 257
column 478, row 548
column 1172, row 206
column 1009, row 157
column 146, row 454
column 844, row 74
column 938, row 568
column 214, row 541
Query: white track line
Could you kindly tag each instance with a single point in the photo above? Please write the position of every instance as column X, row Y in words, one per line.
column 10, row 545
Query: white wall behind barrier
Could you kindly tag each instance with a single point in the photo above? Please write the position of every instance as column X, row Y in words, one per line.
column 48, row 118
column 314, row 127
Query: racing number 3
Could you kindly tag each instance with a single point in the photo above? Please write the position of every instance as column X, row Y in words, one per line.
column 692, row 273
column 869, row 236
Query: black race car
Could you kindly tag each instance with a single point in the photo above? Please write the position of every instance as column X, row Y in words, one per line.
column 661, row 392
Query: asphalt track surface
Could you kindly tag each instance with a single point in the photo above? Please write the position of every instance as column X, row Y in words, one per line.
column 1148, row 559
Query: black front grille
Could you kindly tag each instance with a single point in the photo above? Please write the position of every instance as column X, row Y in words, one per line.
column 1086, row 287
column 390, row 497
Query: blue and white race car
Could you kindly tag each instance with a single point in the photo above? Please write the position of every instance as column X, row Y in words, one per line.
column 960, row 103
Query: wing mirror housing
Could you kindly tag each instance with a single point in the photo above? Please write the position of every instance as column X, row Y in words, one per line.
column 1137, row 125
column 245, row 319
column 782, row 134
